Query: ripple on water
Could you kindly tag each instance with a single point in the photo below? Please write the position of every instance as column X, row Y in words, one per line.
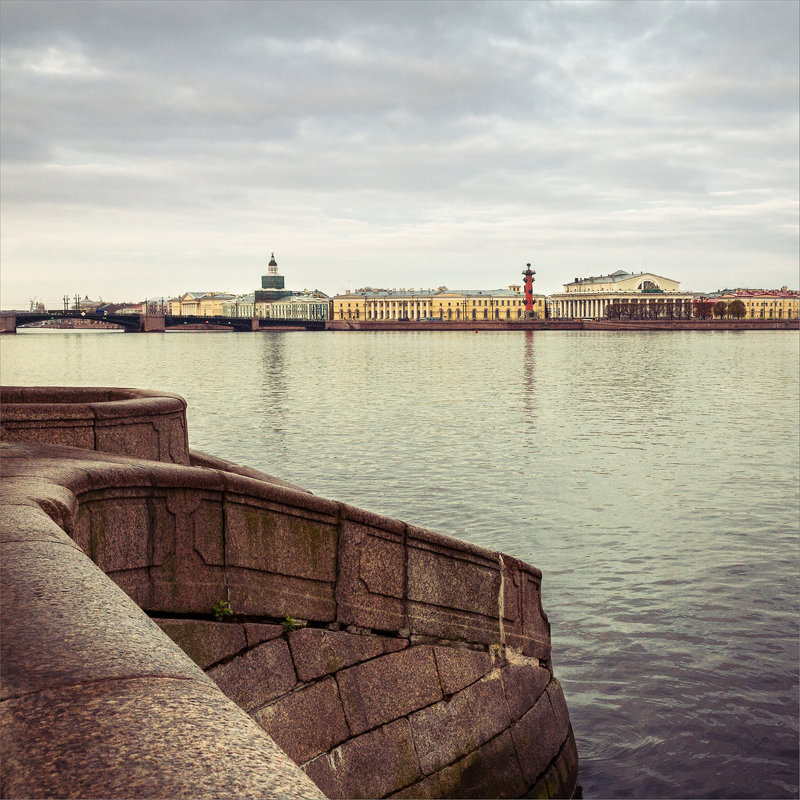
column 660, row 506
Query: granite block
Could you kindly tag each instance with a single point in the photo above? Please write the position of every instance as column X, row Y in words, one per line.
column 205, row 642
column 443, row 573
column 458, row 667
column 373, row 765
column 559, row 704
column 490, row 771
column 141, row 738
column 447, row 731
column 318, row 652
column 28, row 523
column 57, row 501
column 262, row 594
column 258, row 632
column 280, row 542
column 392, row 645
column 388, row 687
column 307, row 722
column 120, row 532
column 136, row 440
column 526, row 627
column 524, row 682
column 86, row 629
column 441, row 622
column 371, row 579
column 77, row 433
column 537, row 738
column 257, row 676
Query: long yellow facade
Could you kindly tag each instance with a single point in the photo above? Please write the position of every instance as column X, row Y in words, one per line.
column 766, row 304
column 434, row 304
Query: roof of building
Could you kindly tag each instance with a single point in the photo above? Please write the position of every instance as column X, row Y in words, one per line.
column 302, row 297
column 779, row 293
column 401, row 294
column 614, row 277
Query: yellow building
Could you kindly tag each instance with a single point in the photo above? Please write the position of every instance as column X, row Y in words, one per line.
column 200, row 304
column 765, row 303
column 434, row 304
column 594, row 297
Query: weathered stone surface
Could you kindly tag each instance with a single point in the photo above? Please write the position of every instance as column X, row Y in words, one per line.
column 458, row 667
column 447, row 731
column 388, row 687
column 525, row 625
column 257, row 676
column 57, row 501
column 559, row 704
column 524, row 682
column 283, row 540
column 161, row 532
column 258, row 632
column 371, row 579
column 537, row 738
column 28, row 523
column 64, row 622
column 205, row 642
column 373, row 765
column 120, row 530
column 318, row 652
column 140, row 738
column 132, row 422
column 391, row 645
column 307, row 722
column 263, row 594
column 207, row 461
column 489, row 771
column 560, row 778
column 453, row 588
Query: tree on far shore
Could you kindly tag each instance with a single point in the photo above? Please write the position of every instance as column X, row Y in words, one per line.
column 703, row 309
column 720, row 309
column 737, row 309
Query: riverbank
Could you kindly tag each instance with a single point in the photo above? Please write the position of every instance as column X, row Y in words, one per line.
column 564, row 325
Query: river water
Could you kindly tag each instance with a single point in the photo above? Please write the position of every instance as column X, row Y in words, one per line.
column 652, row 477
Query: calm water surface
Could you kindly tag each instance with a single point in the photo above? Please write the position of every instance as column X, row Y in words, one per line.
column 652, row 477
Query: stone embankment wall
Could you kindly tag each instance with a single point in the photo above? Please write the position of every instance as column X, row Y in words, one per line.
column 421, row 668
column 151, row 425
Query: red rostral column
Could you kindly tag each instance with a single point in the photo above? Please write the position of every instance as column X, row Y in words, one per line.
column 529, row 273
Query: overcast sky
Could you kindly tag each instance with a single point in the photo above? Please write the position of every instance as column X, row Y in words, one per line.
column 152, row 148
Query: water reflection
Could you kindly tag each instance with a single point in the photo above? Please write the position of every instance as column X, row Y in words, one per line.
column 653, row 478
column 273, row 386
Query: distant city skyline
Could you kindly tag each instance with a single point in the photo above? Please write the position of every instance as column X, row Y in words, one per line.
column 153, row 148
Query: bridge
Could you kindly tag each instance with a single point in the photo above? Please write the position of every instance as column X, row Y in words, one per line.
column 147, row 323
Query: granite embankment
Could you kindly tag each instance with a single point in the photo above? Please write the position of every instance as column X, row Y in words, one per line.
column 565, row 325
column 381, row 658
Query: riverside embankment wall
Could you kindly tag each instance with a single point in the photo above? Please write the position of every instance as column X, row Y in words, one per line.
column 420, row 668
column 565, row 325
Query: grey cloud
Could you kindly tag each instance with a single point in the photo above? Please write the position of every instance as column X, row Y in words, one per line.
column 389, row 114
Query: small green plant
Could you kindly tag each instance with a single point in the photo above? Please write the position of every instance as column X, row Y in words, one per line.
column 290, row 624
column 221, row 610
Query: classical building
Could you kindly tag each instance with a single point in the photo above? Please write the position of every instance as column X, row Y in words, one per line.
column 299, row 305
column 274, row 301
column 199, row 304
column 764, row 303
column 604, row 295
column 435, row 304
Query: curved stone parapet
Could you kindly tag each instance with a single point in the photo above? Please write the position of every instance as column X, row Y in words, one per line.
column 383, row 659
column 133, row 422
column 96, row 700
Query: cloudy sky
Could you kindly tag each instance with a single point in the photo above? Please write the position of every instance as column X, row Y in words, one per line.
column 150, row 148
